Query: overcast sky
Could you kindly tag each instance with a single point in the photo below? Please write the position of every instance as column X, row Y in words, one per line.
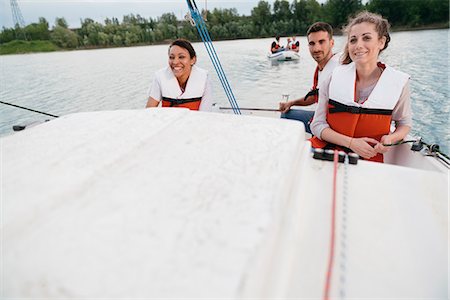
column 73, row 10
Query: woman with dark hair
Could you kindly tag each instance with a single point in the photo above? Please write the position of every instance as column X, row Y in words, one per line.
column 362, row 96
column 181, row 84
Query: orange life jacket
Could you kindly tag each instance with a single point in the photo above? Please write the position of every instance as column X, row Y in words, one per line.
column 356, row 122
column 314, row 92
column 372, row 118
column 326, row 71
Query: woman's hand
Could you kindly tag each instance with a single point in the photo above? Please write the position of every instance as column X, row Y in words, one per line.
column 385, row 139
column 363, row 147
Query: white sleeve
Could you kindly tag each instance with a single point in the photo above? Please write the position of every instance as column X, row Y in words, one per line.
column 155, row 89
column 207, row 98
column 319, row 122
column 402, row 113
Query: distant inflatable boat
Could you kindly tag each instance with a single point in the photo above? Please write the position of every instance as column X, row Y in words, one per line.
column 284, row 55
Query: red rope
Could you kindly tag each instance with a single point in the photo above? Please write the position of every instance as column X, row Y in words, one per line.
column 333, row 230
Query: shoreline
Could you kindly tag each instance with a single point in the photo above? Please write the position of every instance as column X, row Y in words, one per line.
column 337, row 32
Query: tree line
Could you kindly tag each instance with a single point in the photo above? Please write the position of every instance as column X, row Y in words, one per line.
column 283, row 17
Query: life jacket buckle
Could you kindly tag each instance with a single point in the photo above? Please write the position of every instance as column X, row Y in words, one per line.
column 354, row 109
column 328, row 154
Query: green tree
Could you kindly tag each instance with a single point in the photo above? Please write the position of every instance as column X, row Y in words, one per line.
column 283, row 27
column 188, row 31
column 19, row 33
column 305, row 13
column 222, row 16
column 393, row 10
column 90, row 32
column 282, row 11
column 129, row 19
column 411, row 12
column 64, row 37
column 434, row 11
column 158, row 35
column 218, row 32
column 38, row 31
column 61, row 22
column 7, row 35
column 103, row 39
column 336, row 12
column 168, row 26
column 246, row 29
column 168, row 18
column 261, row 17
column 131, row 38
column 83, row 32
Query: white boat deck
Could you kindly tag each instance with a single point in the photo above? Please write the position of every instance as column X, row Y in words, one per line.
column 169, row 203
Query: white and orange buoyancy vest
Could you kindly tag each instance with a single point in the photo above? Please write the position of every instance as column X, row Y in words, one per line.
column 173, row 96
column 324, row 74
column 372, row 118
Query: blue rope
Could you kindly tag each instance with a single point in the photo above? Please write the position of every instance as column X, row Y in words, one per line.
column 201, row 27
column 218, row 67
column 203, row 32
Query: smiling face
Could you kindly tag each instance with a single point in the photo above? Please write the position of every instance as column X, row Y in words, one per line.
column 180, row 62
column 364, row 43
column 320, row 46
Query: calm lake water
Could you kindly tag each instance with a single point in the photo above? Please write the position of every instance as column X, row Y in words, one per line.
column 108, row 79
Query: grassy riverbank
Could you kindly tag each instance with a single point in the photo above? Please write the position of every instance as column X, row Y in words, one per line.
column 21, row 47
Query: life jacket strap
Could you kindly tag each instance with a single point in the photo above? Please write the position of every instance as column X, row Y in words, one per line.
column 337, row 107
column 313, row 92
column 176, row 102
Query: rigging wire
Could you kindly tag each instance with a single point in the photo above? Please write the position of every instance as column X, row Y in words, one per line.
column 343, row 228
column 201, row 27
column 33, row 110
column 251, row 108
column 432, row 149
column 197, row 21
column 330, row 265
column 399, row 143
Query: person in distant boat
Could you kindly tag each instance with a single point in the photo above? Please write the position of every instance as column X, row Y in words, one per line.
column 363, row 95
column 181, row 84
column 295, row 45
column 320, row 42
column 276, row 47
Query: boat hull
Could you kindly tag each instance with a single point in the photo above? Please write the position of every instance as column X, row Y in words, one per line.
column 284, row 56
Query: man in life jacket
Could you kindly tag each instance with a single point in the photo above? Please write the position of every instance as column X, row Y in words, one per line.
column 320, row 43
column 181, row 84
column 276, row 47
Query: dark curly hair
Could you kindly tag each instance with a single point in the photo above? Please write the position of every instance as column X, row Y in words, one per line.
column 184, row 44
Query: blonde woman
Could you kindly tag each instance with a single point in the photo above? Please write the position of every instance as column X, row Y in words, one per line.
column 362, row 96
